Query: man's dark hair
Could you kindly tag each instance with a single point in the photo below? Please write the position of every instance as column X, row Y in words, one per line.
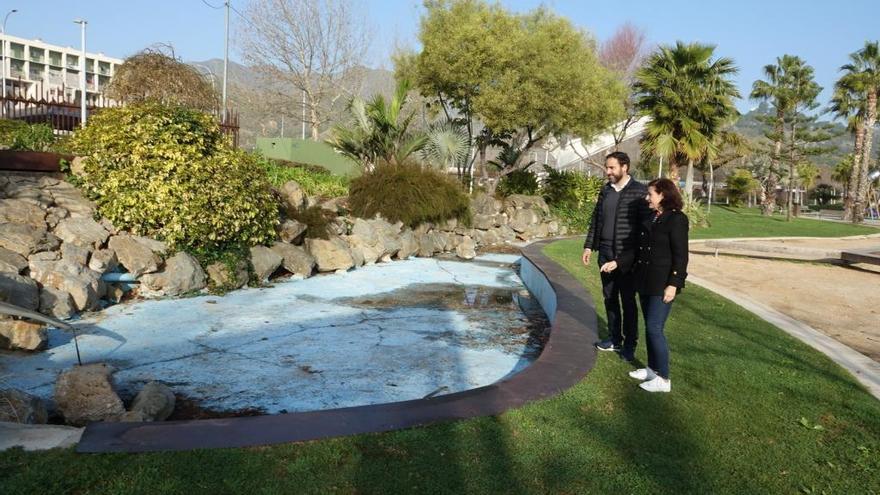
column 621, row 157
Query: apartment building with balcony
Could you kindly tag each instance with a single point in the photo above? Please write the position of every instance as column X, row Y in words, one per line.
column 34, row 69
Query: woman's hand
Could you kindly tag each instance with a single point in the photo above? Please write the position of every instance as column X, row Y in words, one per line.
column 669, row 293
column 608, row 267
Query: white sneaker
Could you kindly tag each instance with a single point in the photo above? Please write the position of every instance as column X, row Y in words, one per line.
column 643, row 374
column 658, row 384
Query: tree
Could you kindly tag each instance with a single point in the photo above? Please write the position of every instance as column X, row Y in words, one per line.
column 862, row 77
column 623, row 53
column 156, row 73
column 740, row 184
column 841, row 174
column 689, row 98
column 526, row 77
column 315, row 47
column 846, row 104
column 379, row 131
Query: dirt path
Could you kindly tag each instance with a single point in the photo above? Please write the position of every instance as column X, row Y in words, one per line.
column 843, row 303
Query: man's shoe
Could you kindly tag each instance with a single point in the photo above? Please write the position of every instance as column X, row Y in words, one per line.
column 643, row 374
column 608, row 345
column 658, row 384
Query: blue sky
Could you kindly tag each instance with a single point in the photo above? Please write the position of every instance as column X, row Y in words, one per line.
column 752, row 32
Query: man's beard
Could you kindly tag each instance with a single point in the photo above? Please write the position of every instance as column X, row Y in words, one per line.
column 615, row 178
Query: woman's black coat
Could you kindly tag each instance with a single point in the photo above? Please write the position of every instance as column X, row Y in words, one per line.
column 662, row 257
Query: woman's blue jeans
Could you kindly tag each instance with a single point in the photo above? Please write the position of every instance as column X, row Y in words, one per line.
column 656, row 312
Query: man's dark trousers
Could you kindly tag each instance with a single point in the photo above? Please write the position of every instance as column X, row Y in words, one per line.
column 619, row 292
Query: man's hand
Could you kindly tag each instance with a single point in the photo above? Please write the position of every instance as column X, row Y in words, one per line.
column 608, row 267
column 669, row 294
column 586, row 256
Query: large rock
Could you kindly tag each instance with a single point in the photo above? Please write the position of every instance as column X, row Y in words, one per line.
column 293, row 194
column 20, row 211
column 155, row 402
column 484, row 222
column 71, row 199
column 12, row 262
column 19, row 290
column 27, row 239
column 19, row 407
column 76, row 254
column 409, row 245
column 295, row 259
column 431, row 243
column 330, row 255
column 103, row 261
column 483, row 204
column 82, row 231
column 158, row 247
column 466, row 248
column 22, row 335
column 521, row 201
column 505, row 233
column 291, row 231
column 84, row 285
column 181, row 274
column 222, row 277
column 265, row 262
column 364, row 251
column 56, row 303
column 135, row 256
column 86, row 393
column 524, row 220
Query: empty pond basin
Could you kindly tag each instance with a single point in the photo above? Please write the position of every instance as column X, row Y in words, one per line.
column 383, row 333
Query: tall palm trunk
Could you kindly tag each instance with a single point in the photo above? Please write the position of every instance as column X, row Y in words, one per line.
column 689, row 179
column 861, row 195
column 854, row 174
column 768, row 198
column 791, row 161
column 672, row 174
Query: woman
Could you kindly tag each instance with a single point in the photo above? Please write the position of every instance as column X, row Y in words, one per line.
column 659, row 274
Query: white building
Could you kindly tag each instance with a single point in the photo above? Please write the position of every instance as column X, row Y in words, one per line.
column 36, row 69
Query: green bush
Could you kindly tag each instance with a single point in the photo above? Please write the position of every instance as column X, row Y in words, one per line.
column 20, row 136
column 170, row 173
column 696, row 212
column 315, row 181
column 518, row 182
column 410, row 194
column 572, row 197
column 739, row 185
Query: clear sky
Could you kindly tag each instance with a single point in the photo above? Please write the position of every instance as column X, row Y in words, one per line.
column 752, row 32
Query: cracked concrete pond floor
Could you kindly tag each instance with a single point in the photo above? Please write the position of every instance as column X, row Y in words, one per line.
column 383, row 333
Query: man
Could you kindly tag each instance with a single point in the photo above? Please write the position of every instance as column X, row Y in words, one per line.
column 620, row 212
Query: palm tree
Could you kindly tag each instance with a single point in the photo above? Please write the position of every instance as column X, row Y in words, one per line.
column 846, row 104
column 862, row 74
column 378, row 132
column 446, row 145
column 689, row 98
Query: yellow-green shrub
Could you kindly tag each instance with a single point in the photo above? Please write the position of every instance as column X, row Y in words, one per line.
column 169, row 172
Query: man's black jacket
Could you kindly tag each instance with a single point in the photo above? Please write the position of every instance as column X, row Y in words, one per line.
column 632, row 213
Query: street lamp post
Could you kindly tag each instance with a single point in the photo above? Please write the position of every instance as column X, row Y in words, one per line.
column 82, row 72
column 5, row 53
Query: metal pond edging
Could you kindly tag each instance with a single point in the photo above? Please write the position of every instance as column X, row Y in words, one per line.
column 566, row 358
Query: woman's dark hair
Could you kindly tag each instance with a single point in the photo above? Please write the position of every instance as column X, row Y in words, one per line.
column 671, row 197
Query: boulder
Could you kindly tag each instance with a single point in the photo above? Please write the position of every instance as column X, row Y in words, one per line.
column 265, row 262
column 221, row 275
column 19, row 290
column 542, row 230
column 103, row 261
column 78, row 166
column 553, row 227
column 86, row 393
column 56, row 303
column 505, row 233
column 71, row 199
column 466, row 249
column 409, row 245
column 19, row 407
column 483, row 204
column 330, row 255
column 155, row 402
column 75, row 254
column 362, row 253
column 295, row 259
column 20, row 211
column 27, row 239
column 181, row 274
column 293, row 194
column 84, row 285
column 44, row 256
column 22, row 335
column 521, row 201
column 12, row 262
column 291, row 231
column 82, row 231
column 524, row 220
column 158, row 247
column 135, row 256
column 484, row 222
column 500, row 219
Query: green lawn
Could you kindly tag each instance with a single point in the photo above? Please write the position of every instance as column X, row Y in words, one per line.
column 752, row 411
column 747, row 222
